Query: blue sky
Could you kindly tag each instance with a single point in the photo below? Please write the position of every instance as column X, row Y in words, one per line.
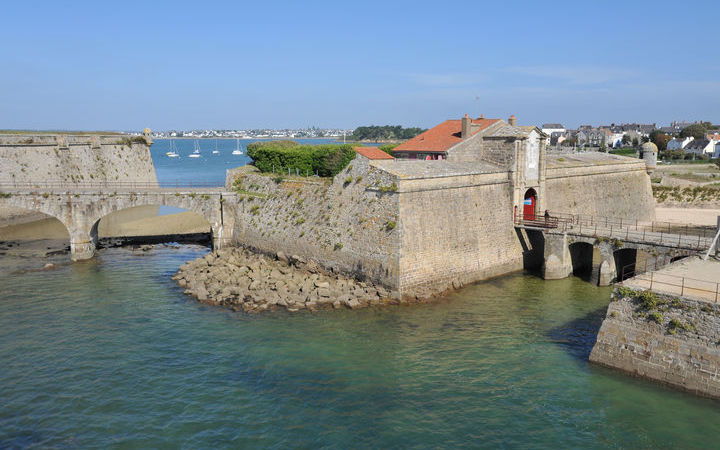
column 128, row 65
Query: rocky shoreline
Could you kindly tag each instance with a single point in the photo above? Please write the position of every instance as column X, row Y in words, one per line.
column 240, row 279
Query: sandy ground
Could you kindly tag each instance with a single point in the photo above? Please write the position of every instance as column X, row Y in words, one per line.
column 690, row 277
column 50, row 228
column 692, row 216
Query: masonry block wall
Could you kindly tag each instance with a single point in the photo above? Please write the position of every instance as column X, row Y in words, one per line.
column 680, row 350
column 456, row 229
column 70, row 159
column 74, row 159
column 349, row 225
column 613, row 190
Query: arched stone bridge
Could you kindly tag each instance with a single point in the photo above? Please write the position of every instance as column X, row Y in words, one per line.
column 566, row 245
column 80, row 209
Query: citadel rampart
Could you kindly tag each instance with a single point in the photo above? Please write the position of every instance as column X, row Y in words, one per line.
column 71, row 159
column 609, row 187
column 667, row 339
column 348, row 224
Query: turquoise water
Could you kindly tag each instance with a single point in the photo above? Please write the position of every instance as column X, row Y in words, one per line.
column 110, row 352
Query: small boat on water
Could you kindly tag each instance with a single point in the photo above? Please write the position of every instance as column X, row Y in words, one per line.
column 237, row 150
column 172, row 153
column 196, row 152
column 215, row 152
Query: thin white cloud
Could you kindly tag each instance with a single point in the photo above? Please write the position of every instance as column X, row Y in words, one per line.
column 580, row 75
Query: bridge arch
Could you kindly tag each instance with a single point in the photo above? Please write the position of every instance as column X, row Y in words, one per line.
column 145, row 220
column 625, row 260
column 80, row 211
column 581, row 257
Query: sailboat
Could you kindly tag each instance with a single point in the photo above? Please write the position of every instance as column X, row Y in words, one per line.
column 172, row 153
column 196, row 153
column 215, row 152
column 237, row 150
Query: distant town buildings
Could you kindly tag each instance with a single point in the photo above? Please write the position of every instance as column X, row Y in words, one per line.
column 679, row 143
column 701, row 147
column 625, row 134
column 285, row 133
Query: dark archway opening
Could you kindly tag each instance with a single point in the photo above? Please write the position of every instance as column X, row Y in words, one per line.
column 581, row 255
column 152, row 224
column 533, row 245
column 625, row 262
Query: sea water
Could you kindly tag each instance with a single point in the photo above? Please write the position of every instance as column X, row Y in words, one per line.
column 109, row 352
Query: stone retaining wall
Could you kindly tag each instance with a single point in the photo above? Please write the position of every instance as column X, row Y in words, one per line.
column 70, row 159
column 347, row 225
column 612, row 190
column 674, row 341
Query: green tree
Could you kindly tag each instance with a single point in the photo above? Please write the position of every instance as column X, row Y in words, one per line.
column 635, row 142
column 626, row 139
column 696, row 130
column 385, row 132
column 660, row 139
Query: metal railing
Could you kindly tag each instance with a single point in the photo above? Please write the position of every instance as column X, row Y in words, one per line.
column 109, row 185
column 674, row 284
column 658, row 233
column 540, row 221
column 585, row 221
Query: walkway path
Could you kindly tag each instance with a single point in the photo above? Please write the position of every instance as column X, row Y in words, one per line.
column 690, row 277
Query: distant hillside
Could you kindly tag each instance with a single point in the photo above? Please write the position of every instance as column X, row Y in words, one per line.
column 384, row 133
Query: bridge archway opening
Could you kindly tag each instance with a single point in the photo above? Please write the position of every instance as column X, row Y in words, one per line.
column 157, row 223
column 581, row 256
column 33, row 231
column 529, row 204
column 678, row 258
column 625, row 262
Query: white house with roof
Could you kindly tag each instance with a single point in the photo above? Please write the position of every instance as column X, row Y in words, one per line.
column 550, row 128
column 701, row 147
column 679, row 143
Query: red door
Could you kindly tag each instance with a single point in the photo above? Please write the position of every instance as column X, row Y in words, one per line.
column 529, row 205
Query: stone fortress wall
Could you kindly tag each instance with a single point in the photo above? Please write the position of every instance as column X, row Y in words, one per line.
column 456, row 230
column 421, row 227
column 677, row 347
column 616, row 188
column 349, row 225
column 71, row 159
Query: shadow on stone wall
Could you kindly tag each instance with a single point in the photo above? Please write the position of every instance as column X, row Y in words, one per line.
column 533, row 249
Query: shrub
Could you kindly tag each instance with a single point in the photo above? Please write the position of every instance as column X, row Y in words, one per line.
column 388, row 148
column 325, row 160
column 338, row 246
column 656, row 317
column 676, row 324
column 390, row 225
column 255, row 210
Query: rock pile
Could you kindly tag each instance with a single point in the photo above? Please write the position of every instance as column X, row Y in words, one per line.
column 242, row 280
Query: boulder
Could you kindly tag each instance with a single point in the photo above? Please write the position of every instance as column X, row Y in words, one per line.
column 282, row 257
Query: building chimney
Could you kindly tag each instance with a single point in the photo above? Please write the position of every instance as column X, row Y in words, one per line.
column 512, row 120
column 466, row 124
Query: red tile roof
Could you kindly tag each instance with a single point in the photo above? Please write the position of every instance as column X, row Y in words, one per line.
column 372, row 153
column 441, row 137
